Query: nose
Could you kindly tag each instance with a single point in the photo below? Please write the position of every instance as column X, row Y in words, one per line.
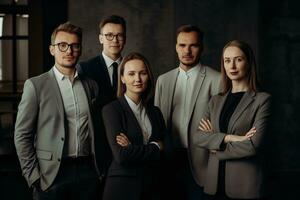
column 69, row 49
column 115, row 39
column 187, row 50
column 138, row 78
column 231, row 64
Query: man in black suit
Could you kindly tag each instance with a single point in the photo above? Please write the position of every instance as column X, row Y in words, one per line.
column 103, row 69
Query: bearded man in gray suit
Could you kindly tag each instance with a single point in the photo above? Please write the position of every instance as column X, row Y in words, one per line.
column 183, row 94
column 54, row 131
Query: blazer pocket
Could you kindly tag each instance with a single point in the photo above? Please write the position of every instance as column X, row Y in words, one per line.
column 45, row 155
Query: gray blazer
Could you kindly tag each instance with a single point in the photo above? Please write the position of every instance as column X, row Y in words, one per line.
column 207, row 85
column 40, row 127
column 244, row 169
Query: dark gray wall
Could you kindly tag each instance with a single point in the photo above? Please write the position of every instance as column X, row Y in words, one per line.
column 272, row 28
column 152, row 26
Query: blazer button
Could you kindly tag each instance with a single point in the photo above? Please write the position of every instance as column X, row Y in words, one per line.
column 58, row 160
column 62, row 139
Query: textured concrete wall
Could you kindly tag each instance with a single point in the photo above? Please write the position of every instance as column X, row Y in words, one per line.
column 271, row 28
column 152, row 26
column 280, row 44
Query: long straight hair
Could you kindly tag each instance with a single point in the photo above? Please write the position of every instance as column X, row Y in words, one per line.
column 251, row 67
column 147, row 95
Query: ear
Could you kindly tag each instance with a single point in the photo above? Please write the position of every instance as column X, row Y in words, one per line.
column 122, row 80
column 177, row 47
column 52, row 50
column 101, row 38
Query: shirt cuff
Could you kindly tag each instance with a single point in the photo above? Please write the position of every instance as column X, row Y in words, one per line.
column 155, row 144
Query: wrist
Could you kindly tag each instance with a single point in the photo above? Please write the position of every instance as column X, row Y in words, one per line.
column 227, row 138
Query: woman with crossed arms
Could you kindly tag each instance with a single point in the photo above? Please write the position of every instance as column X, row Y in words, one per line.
column 234, row 128
column 134, row 128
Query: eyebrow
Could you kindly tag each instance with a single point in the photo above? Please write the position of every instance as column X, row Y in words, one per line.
column 233, row 57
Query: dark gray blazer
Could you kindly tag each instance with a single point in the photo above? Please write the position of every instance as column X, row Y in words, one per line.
column 40, row 127
column 133, row 168
column 244, row 169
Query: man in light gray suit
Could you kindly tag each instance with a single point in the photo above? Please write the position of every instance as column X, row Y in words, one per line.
column 183, row 94
column 54, row 131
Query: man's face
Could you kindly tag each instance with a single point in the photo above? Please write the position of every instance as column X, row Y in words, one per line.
column 68, row 58
column 112, row 37
column 188, row 48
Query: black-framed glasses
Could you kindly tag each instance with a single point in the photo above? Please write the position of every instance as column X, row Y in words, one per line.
column 63, row 46
column 111, row 36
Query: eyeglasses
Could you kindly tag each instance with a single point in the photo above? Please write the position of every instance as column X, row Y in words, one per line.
column 111, row 36
column 63, row 46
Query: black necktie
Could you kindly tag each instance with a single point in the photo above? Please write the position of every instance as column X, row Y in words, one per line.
column 115, row 76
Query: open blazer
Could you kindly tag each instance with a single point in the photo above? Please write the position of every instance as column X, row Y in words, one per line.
column 40, row 128
column 244, row 169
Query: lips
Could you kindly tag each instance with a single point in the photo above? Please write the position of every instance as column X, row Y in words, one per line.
column 187, row 57
column 233, row 73
column 140, row 85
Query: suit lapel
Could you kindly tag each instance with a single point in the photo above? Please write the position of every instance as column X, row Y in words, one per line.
column 243, row 104
column 217, row 113
column 170, row 95
column 131, row 117
column 153, row 121
column 196, row 91
column 87, row 91
column 103, row 72
column 56, row 91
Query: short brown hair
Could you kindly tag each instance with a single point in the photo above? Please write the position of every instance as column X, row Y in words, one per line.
column 68, row 28
column 114, row 19
column 250, row 58
column 191, row 28
column 148, row 94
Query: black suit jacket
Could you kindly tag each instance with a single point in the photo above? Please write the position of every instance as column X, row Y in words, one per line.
column 95, row 68
column 134, row 168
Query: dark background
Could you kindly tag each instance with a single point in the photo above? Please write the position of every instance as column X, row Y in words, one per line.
column 272, row 28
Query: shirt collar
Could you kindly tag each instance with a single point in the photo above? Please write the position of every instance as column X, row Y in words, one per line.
column 108, row 61
column 135, row 107
column 191, row 72
column 60, row 76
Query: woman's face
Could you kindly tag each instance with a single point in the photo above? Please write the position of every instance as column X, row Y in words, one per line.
column 135, row 77
column 235, row 64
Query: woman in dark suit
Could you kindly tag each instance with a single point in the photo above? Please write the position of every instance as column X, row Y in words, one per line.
column 234, row 128
column 134, row 129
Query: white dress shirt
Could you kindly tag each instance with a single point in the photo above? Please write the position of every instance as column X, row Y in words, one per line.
column 181, row 101
column 76, row 108
column 142, row 118
column 108, row 61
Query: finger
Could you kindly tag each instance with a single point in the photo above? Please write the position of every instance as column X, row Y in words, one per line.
column 249, row 135
column 206, row 126
column 201, row 128
column 122, row 137
column 122, row 134
column 120, row 143
column 121, row 140
column 202, row 125
column 209, row 123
